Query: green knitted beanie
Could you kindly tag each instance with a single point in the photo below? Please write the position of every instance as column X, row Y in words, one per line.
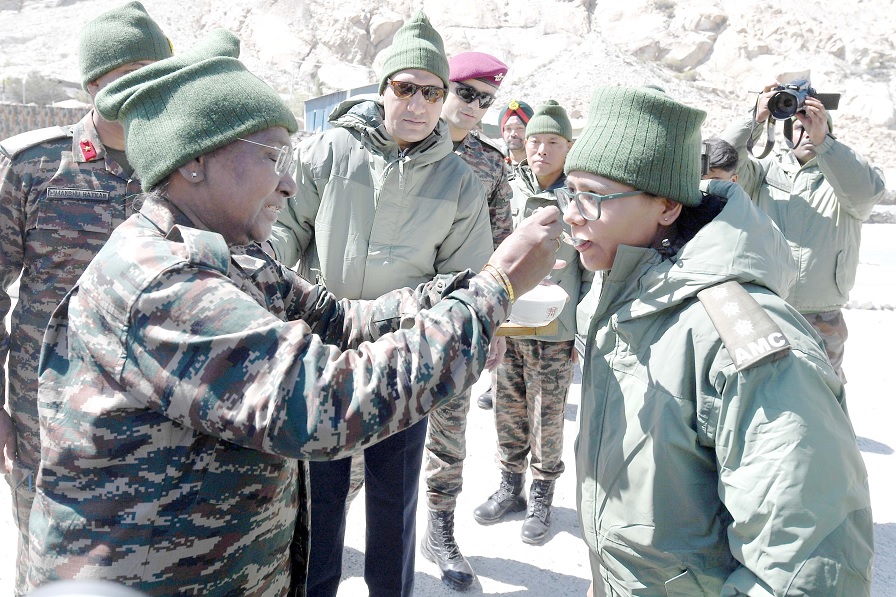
column 643, row 138
column 550, row 118
column 416, row 45
column 117, row 37
column 178, row 109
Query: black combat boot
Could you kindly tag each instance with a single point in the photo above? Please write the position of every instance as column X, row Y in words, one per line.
column 508, row 498
column 439, row 547
column 538, row 517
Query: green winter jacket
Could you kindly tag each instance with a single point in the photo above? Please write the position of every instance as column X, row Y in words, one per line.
column 819, row 207
column 694, row 478
column 573, row 278
column 369, row 218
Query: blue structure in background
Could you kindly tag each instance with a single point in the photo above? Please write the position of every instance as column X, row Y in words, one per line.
column 318, row 109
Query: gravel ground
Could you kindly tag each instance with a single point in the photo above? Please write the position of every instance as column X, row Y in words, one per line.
column 506, row 566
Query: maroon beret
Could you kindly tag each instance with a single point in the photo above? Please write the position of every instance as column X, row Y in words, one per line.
column 477, row 65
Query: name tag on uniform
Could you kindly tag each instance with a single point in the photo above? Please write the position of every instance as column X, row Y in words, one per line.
column 746, row 330
column 78, row 194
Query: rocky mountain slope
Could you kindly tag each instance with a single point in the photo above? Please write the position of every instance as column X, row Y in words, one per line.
column 708, row 53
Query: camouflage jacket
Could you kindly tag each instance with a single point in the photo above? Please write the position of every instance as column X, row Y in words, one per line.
column 60, row 199
column 489, row 164
column 180, row 383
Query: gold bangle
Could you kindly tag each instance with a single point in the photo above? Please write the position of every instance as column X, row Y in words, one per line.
column 507, row 282
column 501, row 277
column 494, row 277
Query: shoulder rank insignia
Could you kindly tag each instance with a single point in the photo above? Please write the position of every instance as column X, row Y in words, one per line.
column 87, row 149
column 746, row 330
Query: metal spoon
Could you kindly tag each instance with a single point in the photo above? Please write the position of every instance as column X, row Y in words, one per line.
column 570, row 240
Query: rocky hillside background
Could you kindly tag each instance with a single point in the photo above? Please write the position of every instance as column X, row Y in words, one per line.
column 706, row 53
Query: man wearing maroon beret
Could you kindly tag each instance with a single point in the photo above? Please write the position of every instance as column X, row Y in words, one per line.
column 474, row 79
column 513, row 123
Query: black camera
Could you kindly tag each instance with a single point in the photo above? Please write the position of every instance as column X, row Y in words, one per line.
column 790, row 98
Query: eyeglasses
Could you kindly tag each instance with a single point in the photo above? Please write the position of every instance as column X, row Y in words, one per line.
column 405, row 90
column 468, row 94
column 588, row 204
column 285, row 159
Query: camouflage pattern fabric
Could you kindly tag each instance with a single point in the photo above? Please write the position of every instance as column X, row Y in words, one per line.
column 831, row 326
column 60, row 199
column 530, row 403
column 182, row 384
column 446, row 445
column 446, row 448
column 488, row 163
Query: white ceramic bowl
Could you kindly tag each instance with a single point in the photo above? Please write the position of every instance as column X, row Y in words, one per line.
column 540, row 306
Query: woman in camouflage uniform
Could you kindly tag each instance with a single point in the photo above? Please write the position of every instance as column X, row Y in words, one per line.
column 187, row 371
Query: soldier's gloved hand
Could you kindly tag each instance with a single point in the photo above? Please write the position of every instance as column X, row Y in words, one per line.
column 528, row 254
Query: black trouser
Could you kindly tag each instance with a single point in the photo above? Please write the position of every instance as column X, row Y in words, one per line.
column 391, row 476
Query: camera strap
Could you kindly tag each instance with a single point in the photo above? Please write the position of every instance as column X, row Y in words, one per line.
column 769, row 133
column 788, row 134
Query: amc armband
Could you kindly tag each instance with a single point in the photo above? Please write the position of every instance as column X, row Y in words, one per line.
column 746, row 330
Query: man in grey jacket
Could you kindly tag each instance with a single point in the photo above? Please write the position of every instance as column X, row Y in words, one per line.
column 383, row 202
column 818, row 192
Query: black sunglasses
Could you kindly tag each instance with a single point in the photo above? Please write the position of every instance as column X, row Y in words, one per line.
column 468, row 94
column 404, row 90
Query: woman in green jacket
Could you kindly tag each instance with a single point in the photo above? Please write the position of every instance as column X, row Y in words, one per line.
column 715, row 454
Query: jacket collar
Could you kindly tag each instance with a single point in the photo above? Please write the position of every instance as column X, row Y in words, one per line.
column 365, row 116
column 741, row 243
column 527, row 179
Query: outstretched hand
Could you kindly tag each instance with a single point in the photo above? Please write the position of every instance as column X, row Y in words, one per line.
column 529, row 253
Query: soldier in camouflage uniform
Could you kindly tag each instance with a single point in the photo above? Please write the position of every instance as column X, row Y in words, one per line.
column 535, row 375
column 474, row 79
column 187, row 372
column 62, row 192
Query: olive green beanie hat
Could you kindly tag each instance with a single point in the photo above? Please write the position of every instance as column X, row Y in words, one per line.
column 178, row 109
column 117, row 37
column 416, row 45
column 643, row 138
column 550, row 118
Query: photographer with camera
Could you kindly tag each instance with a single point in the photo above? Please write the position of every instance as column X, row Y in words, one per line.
column 818, row 191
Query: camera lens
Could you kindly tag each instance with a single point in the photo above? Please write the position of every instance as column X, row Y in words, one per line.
column 783, row 105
